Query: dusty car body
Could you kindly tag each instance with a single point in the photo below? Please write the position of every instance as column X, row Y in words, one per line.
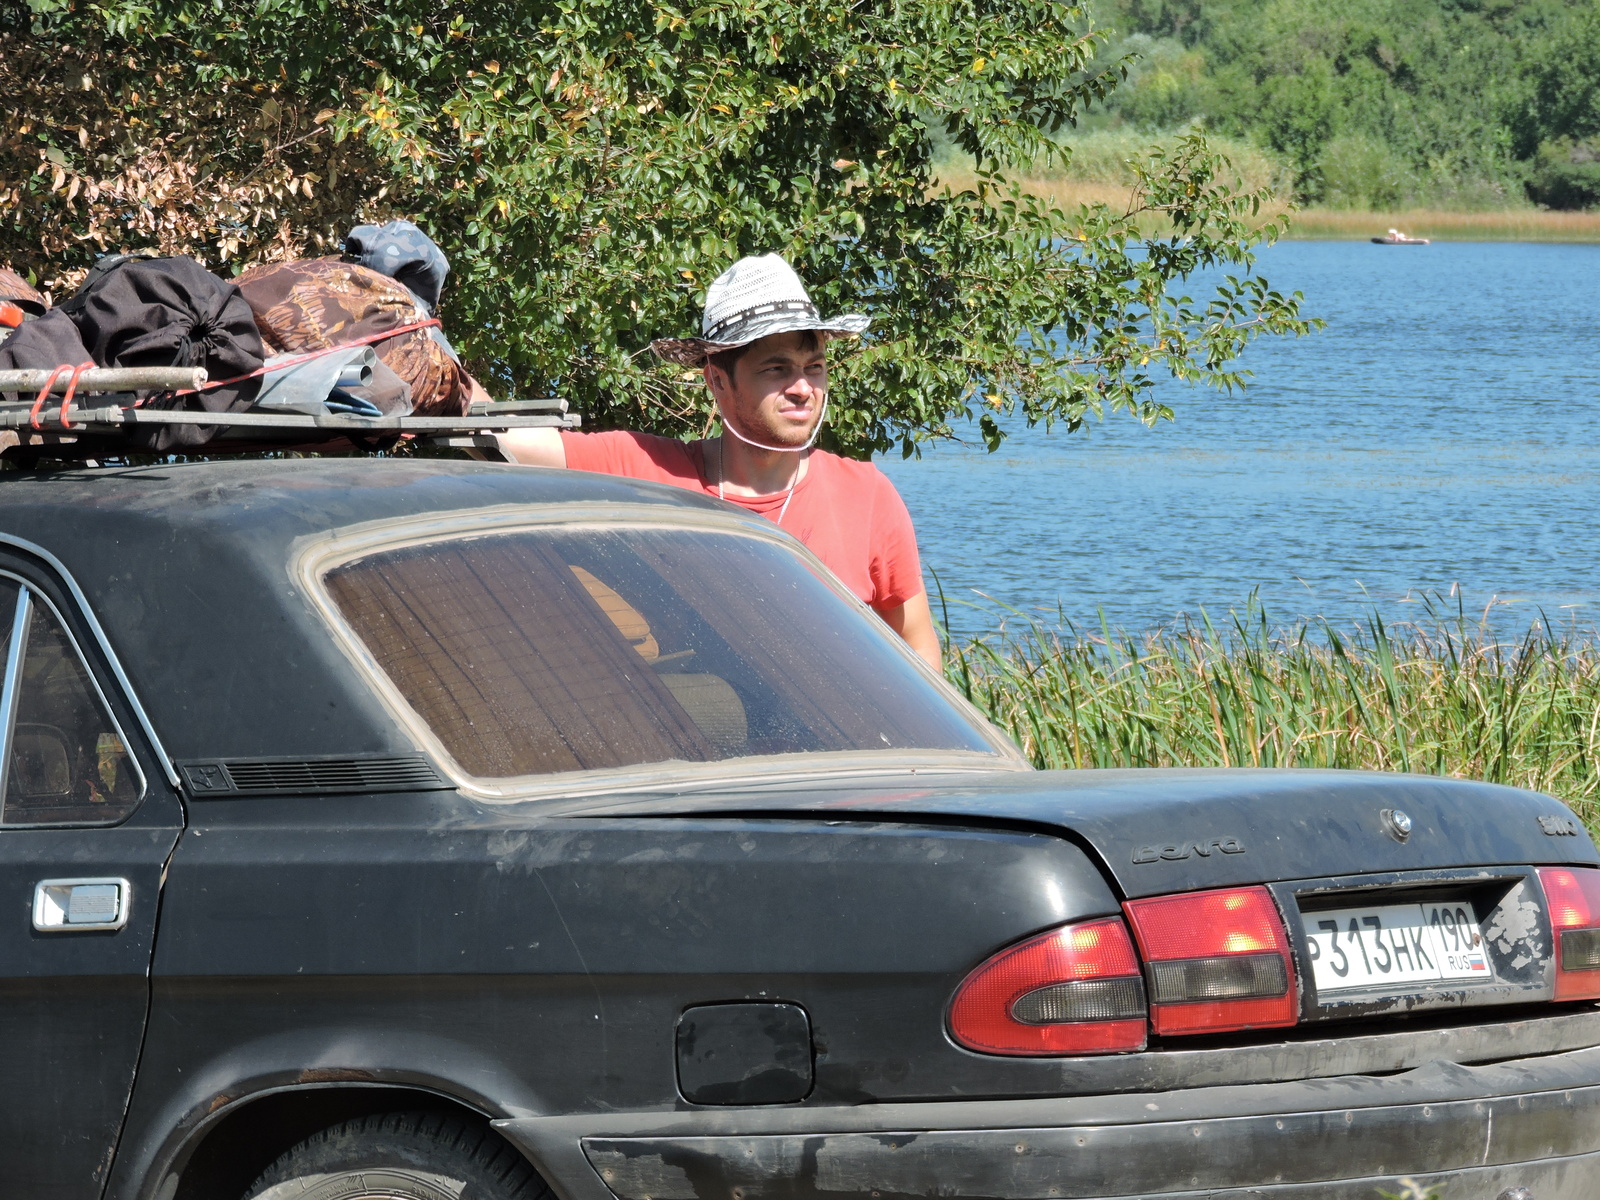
column 714, row 918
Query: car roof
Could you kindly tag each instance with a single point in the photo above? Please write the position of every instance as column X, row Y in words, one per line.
column 259, row 496
column 185, row 566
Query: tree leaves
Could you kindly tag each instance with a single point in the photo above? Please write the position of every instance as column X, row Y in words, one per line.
column 591, row 165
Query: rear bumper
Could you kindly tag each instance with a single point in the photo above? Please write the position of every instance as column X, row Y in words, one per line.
column 1474, row 1130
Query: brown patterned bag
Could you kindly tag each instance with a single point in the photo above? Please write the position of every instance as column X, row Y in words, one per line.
column 317, row 303
column 15, row 288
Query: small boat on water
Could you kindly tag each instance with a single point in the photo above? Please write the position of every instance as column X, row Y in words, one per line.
column 1395, row 238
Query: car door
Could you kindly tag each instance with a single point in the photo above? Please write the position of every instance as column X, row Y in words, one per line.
column 85, row 828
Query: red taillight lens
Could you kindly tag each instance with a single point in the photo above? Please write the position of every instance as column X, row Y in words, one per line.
column 1573, row 894
column 1218, row 961
column 1074, row 990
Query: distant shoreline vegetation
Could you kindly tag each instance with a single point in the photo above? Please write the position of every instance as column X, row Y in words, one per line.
column 1376, row 105
column 1099, row 173
column 1445, row 119
column 1440, row 697
column 1355, row 225
column 1509, row 225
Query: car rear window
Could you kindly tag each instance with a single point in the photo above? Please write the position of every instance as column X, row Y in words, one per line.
column 575, row 649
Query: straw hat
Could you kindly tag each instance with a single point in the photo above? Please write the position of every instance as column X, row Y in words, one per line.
column 755, row 298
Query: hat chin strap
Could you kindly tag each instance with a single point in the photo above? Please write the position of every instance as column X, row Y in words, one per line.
column 816, row 430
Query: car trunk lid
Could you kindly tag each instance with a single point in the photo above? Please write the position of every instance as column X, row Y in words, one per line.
column 1165, row 831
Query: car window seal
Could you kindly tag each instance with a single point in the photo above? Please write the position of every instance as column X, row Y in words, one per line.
column 11, row 685
column 129, row 696
column 29, row 594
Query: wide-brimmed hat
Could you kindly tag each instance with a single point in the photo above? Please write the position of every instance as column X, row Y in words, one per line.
column 755, row 298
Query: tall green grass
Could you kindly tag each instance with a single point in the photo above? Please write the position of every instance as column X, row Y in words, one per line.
column 1440, row 697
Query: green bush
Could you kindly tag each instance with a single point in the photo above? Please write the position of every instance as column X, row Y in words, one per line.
column 1566, row 175
column 1165, row 87
column 1362, row 172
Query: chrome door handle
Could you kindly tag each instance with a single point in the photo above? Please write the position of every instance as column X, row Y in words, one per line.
column 69, row 905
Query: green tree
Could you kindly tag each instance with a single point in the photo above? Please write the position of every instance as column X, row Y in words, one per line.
column 1388, row 102
column 590, row 165
column 1565, row 82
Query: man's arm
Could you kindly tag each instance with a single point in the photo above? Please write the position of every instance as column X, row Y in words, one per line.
column 913, row 621
column 534, row 447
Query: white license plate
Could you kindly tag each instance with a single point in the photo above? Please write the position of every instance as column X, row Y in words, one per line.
column 1394, row 944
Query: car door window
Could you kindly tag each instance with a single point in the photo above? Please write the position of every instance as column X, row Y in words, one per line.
column 67, row 762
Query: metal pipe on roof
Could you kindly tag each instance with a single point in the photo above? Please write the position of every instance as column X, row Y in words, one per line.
column 107, row 379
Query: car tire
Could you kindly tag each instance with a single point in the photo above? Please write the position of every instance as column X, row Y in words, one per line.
column 401, row 1156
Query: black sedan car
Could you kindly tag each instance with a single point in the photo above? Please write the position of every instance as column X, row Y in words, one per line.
column 437, row 830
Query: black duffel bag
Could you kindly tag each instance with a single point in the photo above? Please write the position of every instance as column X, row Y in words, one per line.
column 134, row 311
column 42, row 344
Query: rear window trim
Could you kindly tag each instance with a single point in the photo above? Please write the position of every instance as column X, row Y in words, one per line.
column 312, row 558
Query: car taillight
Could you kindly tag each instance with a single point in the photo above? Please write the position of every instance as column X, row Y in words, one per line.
column 1217, row 961
column 1573, row 894
column 1074, row 990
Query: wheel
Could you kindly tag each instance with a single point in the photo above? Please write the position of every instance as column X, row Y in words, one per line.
column 401, row 1156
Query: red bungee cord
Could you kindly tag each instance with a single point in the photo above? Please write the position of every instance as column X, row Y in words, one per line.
column 72, row 387
column 298, row 359
column 49, row 386
column 77, row 372
column 44, row 393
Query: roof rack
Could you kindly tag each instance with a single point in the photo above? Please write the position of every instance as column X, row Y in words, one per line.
column 79, row 429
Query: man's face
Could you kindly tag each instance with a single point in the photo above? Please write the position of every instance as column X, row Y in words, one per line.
column 777, row 387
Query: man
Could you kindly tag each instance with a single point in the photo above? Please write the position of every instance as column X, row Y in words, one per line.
column 764, row 356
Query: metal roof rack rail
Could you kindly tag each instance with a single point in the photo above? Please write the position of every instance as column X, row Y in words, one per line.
column 80, row 429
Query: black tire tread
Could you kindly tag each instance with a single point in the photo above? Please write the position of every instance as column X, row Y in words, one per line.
column 468, row 1148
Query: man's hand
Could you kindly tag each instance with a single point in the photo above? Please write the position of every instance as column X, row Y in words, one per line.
column 534, row 447
column 913, row 621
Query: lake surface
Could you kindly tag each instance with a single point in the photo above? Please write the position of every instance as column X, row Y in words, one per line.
column 1443, row 432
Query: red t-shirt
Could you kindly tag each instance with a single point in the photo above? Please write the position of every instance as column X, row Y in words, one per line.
column 846, row 512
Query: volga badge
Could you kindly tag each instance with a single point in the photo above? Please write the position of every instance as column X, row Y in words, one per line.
column 1179, row 851
column 1558, row 826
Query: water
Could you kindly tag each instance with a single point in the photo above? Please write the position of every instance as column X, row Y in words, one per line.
column 1441, row 434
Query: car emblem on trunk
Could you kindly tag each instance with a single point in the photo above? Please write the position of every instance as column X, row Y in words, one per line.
column 1558, row 826
column 1180, row 851
column 1396, row 824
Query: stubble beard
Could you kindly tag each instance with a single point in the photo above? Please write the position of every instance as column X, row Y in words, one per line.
column 776, row 431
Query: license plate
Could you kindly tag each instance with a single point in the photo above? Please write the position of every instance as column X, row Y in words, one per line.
column 1394, row 944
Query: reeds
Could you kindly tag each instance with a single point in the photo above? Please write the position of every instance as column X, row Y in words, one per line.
column 1100, row 172
column 1439, row 697
column 1508, row 225
column 1330, row 224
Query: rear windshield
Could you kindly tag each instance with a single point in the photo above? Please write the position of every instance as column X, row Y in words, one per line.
column 580, row 649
